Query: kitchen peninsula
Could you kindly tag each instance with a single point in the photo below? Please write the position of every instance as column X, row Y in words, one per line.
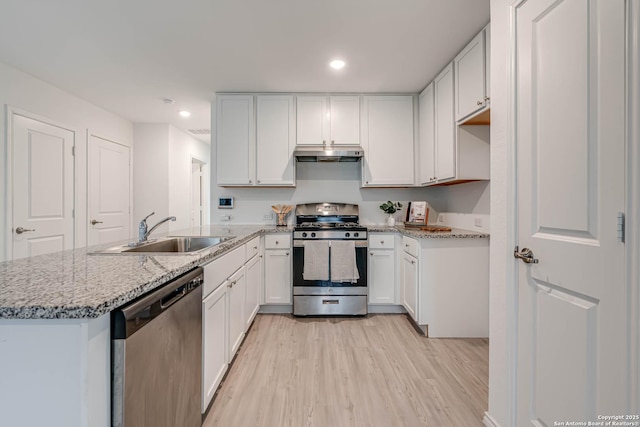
column 55, row 322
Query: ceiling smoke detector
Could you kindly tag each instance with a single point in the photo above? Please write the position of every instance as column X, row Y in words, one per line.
column 168, row 101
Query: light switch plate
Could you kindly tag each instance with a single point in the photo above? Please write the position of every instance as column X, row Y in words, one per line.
column 478, row 222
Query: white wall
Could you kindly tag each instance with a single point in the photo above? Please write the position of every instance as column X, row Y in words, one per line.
column 340, row 182
column 150, row 171
column 162, row 173
column 24, row 92
column 499, row 389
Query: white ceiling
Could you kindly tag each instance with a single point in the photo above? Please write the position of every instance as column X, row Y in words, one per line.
column 126, row 55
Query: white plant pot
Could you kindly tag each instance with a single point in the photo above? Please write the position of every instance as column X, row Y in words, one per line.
column 391, row 221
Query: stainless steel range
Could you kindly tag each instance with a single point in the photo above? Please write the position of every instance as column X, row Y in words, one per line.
column 329, row 261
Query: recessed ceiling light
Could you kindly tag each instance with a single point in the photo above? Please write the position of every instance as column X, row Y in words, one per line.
column 337, row 64
column 184, row 113
column 168, row 101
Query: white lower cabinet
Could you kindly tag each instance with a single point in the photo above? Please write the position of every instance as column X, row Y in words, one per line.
column 254, row 284
column 214, row 342
column 277, row 269
column 236, row 289
column 382, row 271
column 231, row 295
column 410, row 278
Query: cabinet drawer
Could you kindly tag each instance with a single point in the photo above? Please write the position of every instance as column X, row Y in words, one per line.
column 277, row 241
column 253, row 247
column 381, row 241
column 219, row 270
column 410, row 246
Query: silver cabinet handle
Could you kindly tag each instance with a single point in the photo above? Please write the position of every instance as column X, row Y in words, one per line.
column 250, row 181
column 324, row 142
column 255, row 247
column 413, row 262
column 479, row 103
column 332, row 142
column 525, row 255
column 287, row 254
column 486, row 98
column 21, row 230
column 370, row 253
column 94, row 222
column 277, row 243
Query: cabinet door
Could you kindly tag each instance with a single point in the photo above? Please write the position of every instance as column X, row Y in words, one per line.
column 214, row 342
column 236, row 289
column 388, row 140
column 312, row 125
column 445, row 132
column 345, row 120
column 235, row 140
column 382, row 286
column 470, row 78
column 427, row 137
column 275, row 140
column 410, row 284
column 254, row 284
column 277, row 276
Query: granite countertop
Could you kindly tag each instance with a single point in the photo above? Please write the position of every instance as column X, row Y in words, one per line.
column 74, row 284
column 455, row 233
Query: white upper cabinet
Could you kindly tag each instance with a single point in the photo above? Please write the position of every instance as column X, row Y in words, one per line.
column 328, row 120
column 427, row 137
column 472, row 88
column 445, row 126
column 388, row 140
column 255, row 138
column 275, row 140
column 235, row 139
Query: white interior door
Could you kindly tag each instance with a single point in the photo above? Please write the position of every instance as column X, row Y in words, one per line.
column 109, row 191
column 570, row 141
column 42, row 190
column 196, row 193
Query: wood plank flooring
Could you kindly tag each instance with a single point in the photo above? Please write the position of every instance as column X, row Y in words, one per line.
column 334, row 372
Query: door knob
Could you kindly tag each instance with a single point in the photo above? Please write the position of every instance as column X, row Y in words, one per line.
column 21, row 230
column 525, row 255
column 94, row 222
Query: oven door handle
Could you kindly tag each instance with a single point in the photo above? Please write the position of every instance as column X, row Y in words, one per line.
column 300, row 243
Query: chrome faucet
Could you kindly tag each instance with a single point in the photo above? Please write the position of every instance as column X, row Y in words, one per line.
column 143, row 232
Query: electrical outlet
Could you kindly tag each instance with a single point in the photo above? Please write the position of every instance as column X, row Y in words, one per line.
column 441, row 218
column 225, row 217
column 478, row 222
column 268, row 217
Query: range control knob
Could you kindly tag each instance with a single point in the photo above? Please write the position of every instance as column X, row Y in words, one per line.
column 313, row 234
column 356, row 234
column 304, row 234
column 347, row 234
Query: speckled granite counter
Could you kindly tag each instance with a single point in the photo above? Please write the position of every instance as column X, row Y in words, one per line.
column 455, row 233
column 74, row 284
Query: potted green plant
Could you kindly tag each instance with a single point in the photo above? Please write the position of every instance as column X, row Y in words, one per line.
column 391, row 208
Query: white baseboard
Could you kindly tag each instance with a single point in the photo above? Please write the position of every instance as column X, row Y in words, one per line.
column 276, row 309
column 386, row 309
column 489, row 421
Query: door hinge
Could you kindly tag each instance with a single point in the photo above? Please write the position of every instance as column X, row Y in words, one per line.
column 621, row 224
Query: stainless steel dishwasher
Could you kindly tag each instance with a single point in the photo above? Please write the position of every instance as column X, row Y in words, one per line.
column 156, row 353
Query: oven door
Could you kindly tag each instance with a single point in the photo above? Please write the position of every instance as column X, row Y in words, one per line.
column 298, row 268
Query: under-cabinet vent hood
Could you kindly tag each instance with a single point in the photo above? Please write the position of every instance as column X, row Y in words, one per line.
column 343, row 153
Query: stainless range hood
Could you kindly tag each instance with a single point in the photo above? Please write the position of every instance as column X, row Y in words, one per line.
column 340, row 153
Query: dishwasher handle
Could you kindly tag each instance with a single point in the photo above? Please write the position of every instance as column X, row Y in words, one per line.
column 128, row 319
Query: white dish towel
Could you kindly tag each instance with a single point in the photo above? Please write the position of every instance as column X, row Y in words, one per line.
column 316, row 260
column 343, row 261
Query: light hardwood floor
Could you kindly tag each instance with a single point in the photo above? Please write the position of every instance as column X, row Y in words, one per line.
column 334, row 372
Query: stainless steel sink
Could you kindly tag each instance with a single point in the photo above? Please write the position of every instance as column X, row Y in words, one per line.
column 169, row 245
